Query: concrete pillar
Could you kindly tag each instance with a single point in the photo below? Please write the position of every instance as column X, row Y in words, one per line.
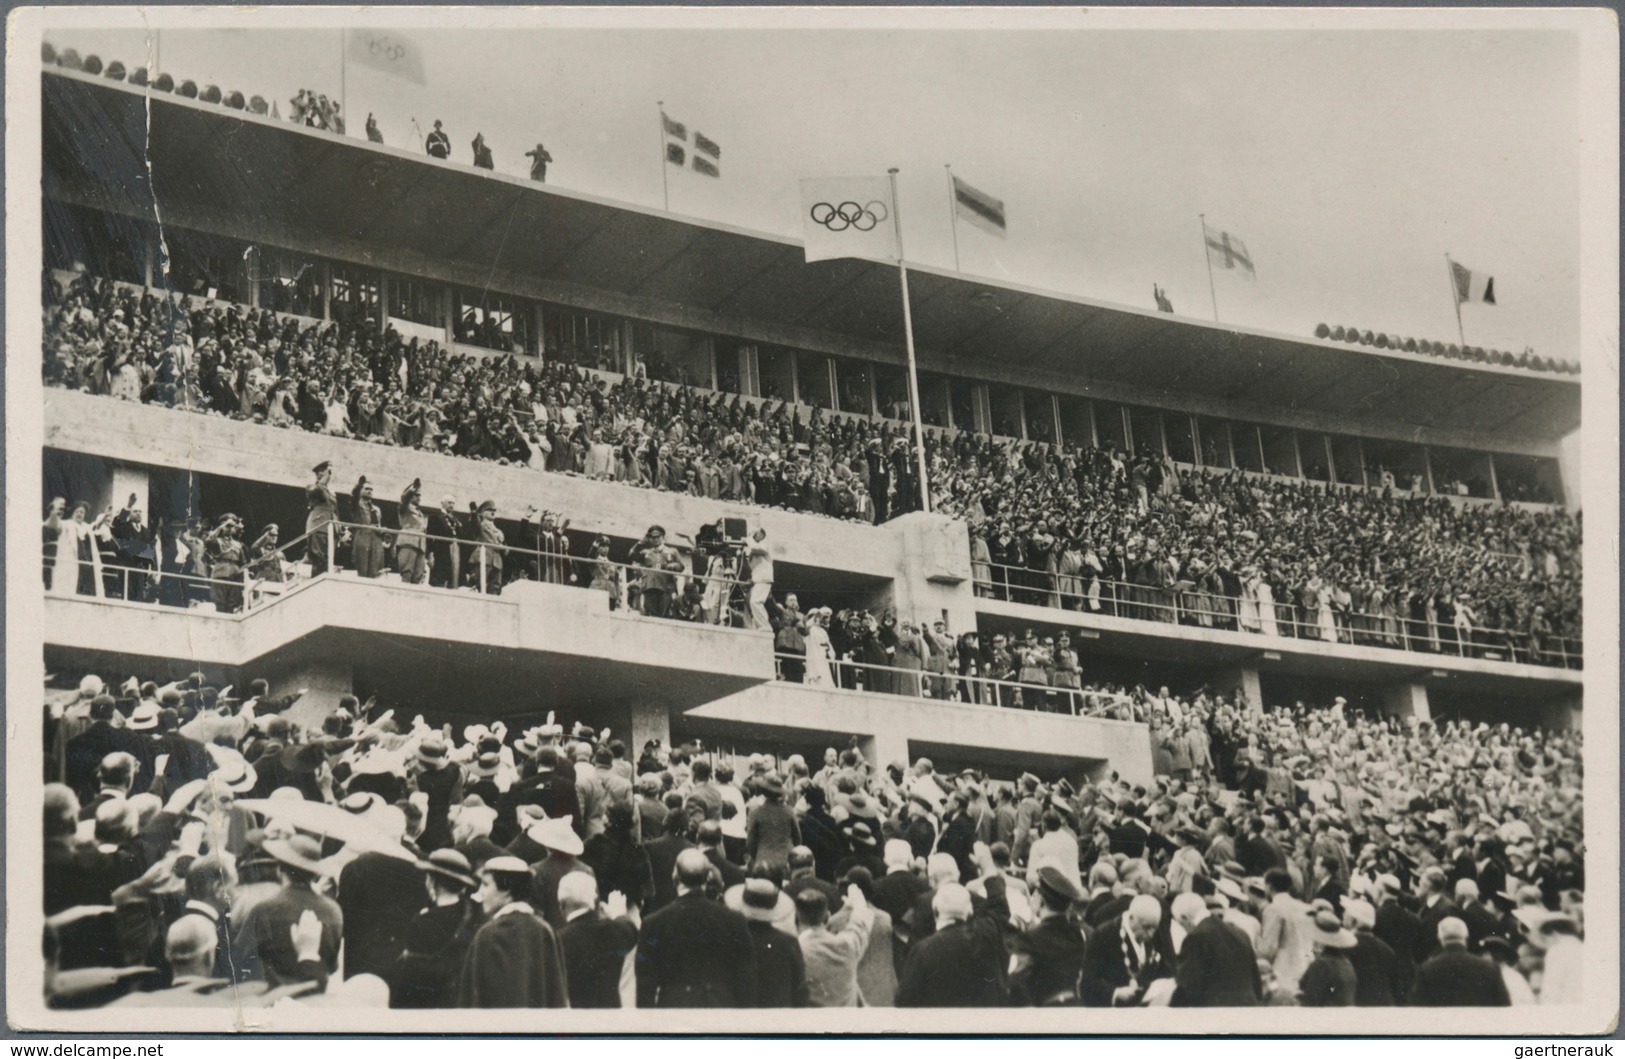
column 646, row 721
column 1245, row 678
column 935, row 579
column 884, row 747
column 324, row 682
column 1407, row 700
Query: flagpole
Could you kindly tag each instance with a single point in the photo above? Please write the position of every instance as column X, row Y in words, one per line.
column 1206, row 256
column 1455, row 295
column 344, row 76
column 953, row 214
column 665, row 185
column 908, row 338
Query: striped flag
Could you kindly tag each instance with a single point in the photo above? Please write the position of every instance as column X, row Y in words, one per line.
column 1472, row 286
column 1226, row 251
column 979, row 208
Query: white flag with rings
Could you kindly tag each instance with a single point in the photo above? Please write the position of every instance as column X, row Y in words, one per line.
column 848, row 217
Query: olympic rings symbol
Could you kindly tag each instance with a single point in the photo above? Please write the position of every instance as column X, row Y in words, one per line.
column 849, row 215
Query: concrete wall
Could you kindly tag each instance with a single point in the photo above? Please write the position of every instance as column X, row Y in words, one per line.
column 214, row 445
column 888, row 724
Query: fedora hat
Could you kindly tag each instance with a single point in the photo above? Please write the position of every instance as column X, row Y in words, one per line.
column 452, row 865
column 432, row 752
column 1326, row 929
column 772, row 784
column 556, row 834
column 296, row 851
column 232, row 772
column 144, row 718
column 486, row 766
column 762, row 901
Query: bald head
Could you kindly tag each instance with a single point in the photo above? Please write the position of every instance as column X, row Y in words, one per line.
column 1466, row 890
column 951, row 904
column 1188, row 910
column 577, row 890
column 942, row 869
column 692, row 870
column 190, row 946
column 899, row 854
column 1452, row 931
column 1143, row 917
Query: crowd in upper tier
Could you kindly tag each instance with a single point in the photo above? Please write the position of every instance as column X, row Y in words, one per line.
column 1085, row 528
column 203, row 847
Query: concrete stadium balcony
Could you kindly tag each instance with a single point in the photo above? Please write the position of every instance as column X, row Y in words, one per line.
column 894, row 728
column 934, row 548
column 535, row 648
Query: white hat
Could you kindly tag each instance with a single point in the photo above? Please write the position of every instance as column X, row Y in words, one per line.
column 556, row 834
column 144, row 718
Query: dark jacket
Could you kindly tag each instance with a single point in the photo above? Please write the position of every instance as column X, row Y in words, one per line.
column 695, row 953
column 1329, row 982
column 962, row 965
column 1401, row 931
column 1376, row 971
column 514, row 962
column 1217, row 968
column 662, row 862
column 1105, row 969
column 379, row 895
column 433, row 948
column 1457, row 978
column 1054, row 950
column 781, row 970
column 595, row 950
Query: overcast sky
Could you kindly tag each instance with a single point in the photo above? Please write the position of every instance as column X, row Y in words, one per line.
column 1349, row 162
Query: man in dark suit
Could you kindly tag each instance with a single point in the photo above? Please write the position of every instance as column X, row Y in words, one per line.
column 1455, row 977
column 380, row 896
column 553, row 791
column 1125, row 956
column 1376, row 968
column 695, row 952
column 1217, row 965
column 963, row 963
column 445, row 529
column 595, row 944
column 1436, row 908
column 1049, row 953
column 663, row 853
column 1398, row 928
column 781, row 967
column 1481, row 922
column 86, row 750
column 710, row 836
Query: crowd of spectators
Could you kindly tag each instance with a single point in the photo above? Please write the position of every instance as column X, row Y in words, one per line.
column 1093, row 529
column 201, row 847
column 316, row 111
column 1136, row 536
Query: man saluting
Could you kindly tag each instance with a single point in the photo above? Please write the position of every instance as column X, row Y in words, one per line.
column 324, row 508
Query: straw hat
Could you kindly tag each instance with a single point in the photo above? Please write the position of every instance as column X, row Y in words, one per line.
column 557, row 835
column 1328, row 931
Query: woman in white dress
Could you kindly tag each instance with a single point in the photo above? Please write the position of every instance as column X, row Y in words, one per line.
column 78, row 560
column 1247, row 606
column 817, row 671
column 1264, row 599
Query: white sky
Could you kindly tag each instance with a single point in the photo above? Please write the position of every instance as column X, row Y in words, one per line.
column 1349, row 161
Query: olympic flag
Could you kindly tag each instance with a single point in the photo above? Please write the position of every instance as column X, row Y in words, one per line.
column 388, row 51
column 848, row 217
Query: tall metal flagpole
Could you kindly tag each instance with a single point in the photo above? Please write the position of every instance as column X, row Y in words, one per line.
column 1455, row 295
column 665, row 187
column 908, row 338
column 1208, row 257
column 953, row 214
column 344, row 76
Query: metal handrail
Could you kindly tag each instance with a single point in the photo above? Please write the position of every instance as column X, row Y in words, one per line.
column 962, row 688
column 1169, row 605
column 576, row 569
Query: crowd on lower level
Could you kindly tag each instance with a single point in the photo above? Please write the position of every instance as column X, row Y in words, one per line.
column 203, row 847
column 1083, row 528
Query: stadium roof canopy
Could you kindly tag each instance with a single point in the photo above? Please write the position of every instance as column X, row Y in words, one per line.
column 228, row 163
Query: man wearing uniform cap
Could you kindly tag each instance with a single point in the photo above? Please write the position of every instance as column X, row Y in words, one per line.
column 1048, row 954
column 322, row 508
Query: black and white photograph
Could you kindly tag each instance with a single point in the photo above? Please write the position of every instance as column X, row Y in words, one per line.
column 1003, row 520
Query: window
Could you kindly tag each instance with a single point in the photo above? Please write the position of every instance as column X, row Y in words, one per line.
column 962, row 393
column 852, row 380
column 1145, row 424
column 1109, row 429
column 935, row 405
column 891, row 391
column 668, row 355
column 1038, row 410
column 582, row 338
column 777, row 368
column 1312, row 455
column 1532, row 479
column 492, row 321
column 1457, row 472
column 813, row 372
column 1347, row 463
column 417, row 300
column 1280, row 451
column 1394, row 461
column 732, row 365
column 1176, row 428
column 206, row 265
column 1075, row 429
column 108, row 245
column 288, row 281
column 1005, row 404
column 1244, row 447
column 1214, row 435
column 355, row 294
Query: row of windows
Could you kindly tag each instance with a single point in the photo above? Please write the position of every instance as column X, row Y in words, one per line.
column 288, row 281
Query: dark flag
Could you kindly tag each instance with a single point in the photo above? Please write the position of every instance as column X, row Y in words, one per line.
column 702, row 142
column 702, row 165
column 675, row 154
column 979, row 208
column 675, row 129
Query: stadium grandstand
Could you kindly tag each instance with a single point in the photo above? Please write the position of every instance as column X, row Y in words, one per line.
column 341, row 512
